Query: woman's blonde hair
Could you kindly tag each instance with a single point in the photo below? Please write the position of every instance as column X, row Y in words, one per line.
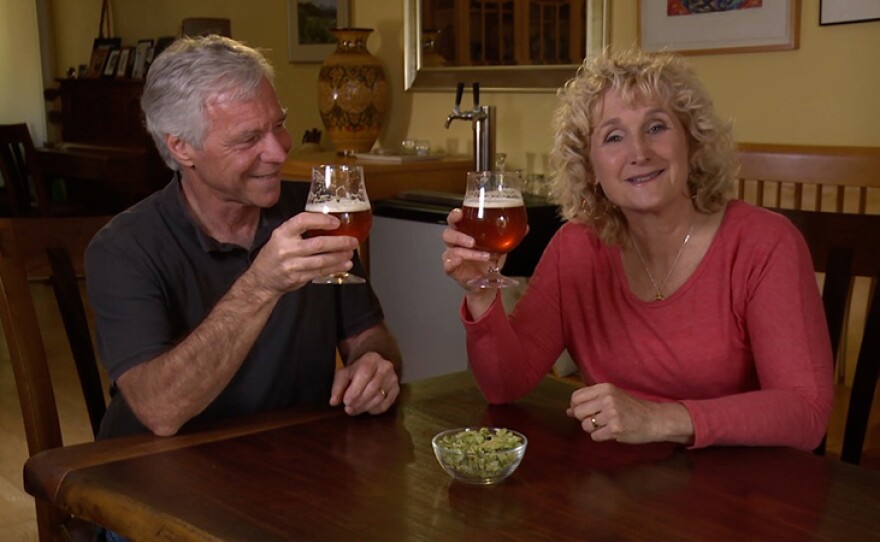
column 637, row 76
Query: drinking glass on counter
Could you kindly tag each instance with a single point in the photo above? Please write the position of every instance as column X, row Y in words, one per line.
column 339, row 190
column 493, row 213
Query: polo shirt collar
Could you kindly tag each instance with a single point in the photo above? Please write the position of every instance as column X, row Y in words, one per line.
column 171, row 200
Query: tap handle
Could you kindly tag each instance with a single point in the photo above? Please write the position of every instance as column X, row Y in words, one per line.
column 476, row 88
column 459, row 90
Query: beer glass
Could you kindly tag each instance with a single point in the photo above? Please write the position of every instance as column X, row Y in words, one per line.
column 493, row 213
column 339, row 190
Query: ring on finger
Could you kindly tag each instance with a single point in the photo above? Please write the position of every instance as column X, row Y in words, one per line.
column 594, row 422
column 381, row 391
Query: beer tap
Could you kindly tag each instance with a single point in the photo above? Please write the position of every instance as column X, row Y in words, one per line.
column 482, row 117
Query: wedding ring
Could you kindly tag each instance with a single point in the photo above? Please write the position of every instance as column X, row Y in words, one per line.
column 383, row 392
column 594, row 422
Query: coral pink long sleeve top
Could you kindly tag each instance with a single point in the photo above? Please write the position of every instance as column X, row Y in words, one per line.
column 743, row 344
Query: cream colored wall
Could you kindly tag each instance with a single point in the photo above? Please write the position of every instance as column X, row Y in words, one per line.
column 823, row 93
column 21, row 80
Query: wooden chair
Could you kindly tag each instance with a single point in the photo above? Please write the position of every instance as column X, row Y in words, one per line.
column 18, row 167
column 47, row 249
column 845, row 246
column 818, row 178
column 810, row 177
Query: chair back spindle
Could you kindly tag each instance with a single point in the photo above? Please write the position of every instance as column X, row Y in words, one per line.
column 845, row 246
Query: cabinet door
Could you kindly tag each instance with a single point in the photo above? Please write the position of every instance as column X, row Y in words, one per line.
column 103, row 112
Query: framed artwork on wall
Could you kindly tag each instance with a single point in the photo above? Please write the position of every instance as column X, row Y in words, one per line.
column 308, row 28
column 848, row 11
column 698, row 28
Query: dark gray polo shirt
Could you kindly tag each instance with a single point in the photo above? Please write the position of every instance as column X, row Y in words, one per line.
column 153, row 276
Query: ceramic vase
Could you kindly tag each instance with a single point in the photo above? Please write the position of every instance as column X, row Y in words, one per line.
column 353, row 93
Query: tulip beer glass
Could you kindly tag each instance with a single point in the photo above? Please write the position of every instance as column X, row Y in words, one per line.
column 339, row 190
column 493, row 213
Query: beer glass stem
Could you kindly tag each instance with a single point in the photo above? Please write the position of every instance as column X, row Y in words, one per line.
column 493, row 277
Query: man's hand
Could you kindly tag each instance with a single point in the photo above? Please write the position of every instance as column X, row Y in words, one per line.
column 291, row 259
column 369, row 384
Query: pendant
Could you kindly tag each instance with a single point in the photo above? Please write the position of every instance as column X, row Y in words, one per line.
column 659, row 297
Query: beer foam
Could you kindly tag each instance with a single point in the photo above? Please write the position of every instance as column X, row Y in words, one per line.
column 493, row 202
column 347, row 206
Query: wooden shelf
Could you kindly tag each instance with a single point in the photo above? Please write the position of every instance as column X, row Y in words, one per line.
column 386, row 180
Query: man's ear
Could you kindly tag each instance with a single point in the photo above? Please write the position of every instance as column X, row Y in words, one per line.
column 181, row 151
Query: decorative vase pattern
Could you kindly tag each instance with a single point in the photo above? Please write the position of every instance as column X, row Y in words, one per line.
column 353, row 93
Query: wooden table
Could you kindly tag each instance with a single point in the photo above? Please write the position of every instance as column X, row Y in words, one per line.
column 321, row 475
column 386, row 180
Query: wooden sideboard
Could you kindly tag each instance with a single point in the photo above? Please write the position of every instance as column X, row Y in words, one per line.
column 107, row 159
column 103, row 111
column 386, row 180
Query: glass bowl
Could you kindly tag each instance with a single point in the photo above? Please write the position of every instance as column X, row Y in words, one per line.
column 479, row 455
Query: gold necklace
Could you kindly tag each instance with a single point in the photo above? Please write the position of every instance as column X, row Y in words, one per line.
column 659, row 289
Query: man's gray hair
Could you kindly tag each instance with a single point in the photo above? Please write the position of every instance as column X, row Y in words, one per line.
column 182, row 79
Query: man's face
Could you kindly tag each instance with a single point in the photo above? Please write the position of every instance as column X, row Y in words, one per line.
column 245, row 146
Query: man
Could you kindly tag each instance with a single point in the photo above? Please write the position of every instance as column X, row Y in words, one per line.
column 202, row 292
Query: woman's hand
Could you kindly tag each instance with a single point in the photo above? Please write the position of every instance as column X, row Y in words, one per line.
column 608, row 413
column 463, row 263
column 460, row 260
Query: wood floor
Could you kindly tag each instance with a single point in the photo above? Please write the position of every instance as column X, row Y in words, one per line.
column 17, row 518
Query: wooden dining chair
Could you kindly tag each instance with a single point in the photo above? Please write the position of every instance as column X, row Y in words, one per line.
column 20, row 172
column 810, row 177
column 48, row 249
column 845, row 246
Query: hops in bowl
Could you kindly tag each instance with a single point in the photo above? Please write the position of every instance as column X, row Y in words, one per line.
column 479, row 455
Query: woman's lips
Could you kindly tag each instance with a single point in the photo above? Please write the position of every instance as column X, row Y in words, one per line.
column 645, row 178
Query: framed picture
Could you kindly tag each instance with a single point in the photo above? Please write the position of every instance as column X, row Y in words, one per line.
column 96, row 63
column 112, row 62
column 101, row 48
column 123, row 68
column 139, row 65
column 308, row 28
column 204, row 26
column 848, row 11
column 696, row 28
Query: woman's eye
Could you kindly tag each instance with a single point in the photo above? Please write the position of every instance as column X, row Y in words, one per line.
column 656, row 127
column 612, row 138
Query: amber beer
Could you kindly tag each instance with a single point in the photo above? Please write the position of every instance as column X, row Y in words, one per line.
column 355, row 218
column 498, row 226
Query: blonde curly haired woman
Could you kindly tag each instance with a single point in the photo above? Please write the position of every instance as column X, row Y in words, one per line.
column 693, row 318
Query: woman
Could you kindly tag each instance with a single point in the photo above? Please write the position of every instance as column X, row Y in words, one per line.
column 693, row 318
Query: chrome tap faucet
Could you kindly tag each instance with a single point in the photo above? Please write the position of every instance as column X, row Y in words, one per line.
column 483, row 119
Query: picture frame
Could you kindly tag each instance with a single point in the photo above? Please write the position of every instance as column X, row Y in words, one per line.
column 101, row 48
column 204, row 26
column 123, row 68
column 112, row 62
column 769, row 25
column 139, row 65
column 97, row 61
column 308, row 28
column 832, row 12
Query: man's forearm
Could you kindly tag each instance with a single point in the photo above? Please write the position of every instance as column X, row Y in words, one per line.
column 168, row 391
column 376, row 339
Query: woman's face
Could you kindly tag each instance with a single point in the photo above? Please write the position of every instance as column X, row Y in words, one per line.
column 639, row 154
